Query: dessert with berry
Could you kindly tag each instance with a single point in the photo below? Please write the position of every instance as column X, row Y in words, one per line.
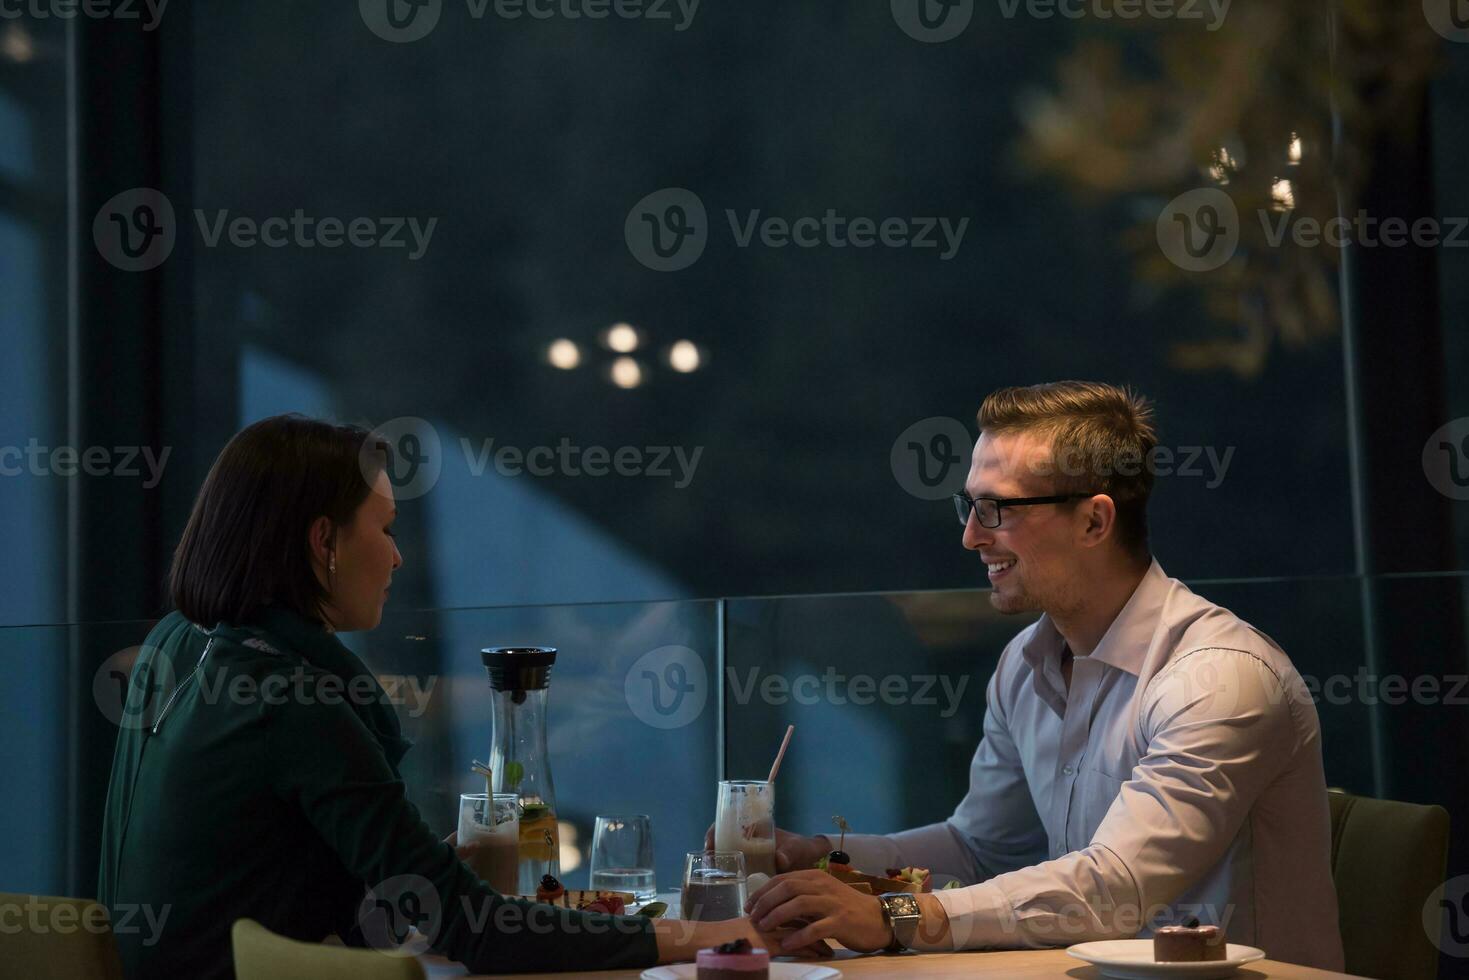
column 734, row 961
column 1189, row 943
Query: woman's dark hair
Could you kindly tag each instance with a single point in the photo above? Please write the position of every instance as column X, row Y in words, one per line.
column 245, row 546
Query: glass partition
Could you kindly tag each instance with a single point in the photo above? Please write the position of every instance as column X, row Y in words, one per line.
column 652, row 703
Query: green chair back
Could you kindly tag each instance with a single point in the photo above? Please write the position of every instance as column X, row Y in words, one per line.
column 262, row 955
column 58, row 939
column 1386, row 858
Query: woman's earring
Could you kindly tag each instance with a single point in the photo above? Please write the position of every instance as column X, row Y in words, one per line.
column 332, row 565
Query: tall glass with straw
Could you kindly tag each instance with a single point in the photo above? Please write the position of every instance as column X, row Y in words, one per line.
column 744, row 819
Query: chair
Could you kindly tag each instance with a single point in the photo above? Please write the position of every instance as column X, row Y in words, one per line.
column 1386, row 858
column 262, row 955
column 74, row 942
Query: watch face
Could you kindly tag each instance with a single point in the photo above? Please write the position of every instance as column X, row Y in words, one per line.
column 901, row 903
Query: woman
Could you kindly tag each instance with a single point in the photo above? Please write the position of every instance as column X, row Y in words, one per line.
column 264, row 783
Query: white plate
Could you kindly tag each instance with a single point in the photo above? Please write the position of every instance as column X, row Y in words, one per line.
column 1132, row 959
column 778, row 971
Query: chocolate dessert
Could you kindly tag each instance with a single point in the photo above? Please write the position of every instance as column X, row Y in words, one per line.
column 1190, row 943
column 734, row 961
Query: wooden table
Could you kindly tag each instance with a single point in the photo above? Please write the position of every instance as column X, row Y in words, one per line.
column 1026, row 963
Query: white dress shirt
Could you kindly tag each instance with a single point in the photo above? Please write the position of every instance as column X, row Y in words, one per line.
column 1180, row 776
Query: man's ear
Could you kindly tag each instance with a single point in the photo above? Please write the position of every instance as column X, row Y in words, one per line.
column 1099, row 515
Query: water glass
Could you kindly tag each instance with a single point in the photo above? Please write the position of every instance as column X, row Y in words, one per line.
column 622, row 856
column 713, row 886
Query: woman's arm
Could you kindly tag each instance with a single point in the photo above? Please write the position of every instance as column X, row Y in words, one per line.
column 680, row 940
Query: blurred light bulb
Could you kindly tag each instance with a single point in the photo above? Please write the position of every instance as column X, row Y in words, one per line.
column 1223, row 165
column 627, row 373
column 1283, row 196
column 1294, row 154
column 17, row 45
column 623, row 338
column 563, row 354
column 684, row 357
column 570, row 853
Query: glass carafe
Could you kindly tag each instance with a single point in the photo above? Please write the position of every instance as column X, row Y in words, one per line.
column 519, row 682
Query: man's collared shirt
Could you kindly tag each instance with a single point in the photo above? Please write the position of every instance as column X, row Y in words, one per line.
column 1180, row 776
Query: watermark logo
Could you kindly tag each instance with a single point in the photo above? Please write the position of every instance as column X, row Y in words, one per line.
column 1199, row 230
column 933, row 21
column 401, row 916
column 93, row 461
column 136, row 230
column 668, row 230
column 401, row 21
column 860, row 690
column 1446, row 916
column 416, row 457
column 1450, row 18
column 133, row 699
column 1446, row 459
column 39, row 916
column 667, row 688
column 930, row 459
column 91, row 9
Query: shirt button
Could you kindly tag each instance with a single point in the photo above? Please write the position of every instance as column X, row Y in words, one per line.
column 1067, row 770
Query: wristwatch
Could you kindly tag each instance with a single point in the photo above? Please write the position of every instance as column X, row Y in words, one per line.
column 901, row 911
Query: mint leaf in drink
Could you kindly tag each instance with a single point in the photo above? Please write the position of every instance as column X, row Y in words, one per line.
column 514, row 773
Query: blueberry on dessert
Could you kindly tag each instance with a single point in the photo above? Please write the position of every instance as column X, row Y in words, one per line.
column 549, row 889
column 1189, row 943
column 839, row 859
column 736, row 960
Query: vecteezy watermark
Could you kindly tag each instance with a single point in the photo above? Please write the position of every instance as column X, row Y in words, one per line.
column 1446, row 459
column 1446, row 916
column 1211, row 12
column 406, row 21
column 930, row 458
column 136, row 231
column 148, row 11
column 933, row 21
column 37, row 916
column 667, row 688
column 937, row 21
column 831, row 687
column 134, row 695
column 668, row 230
column 1450, row 18
column 1200, row 230
column 401, row 916
column 417, row 459
column 120, row 461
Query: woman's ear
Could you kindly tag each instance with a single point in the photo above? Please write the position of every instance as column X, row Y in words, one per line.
column 321, row 538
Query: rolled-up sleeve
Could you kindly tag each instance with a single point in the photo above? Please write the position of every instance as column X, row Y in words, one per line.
column 1217, row 727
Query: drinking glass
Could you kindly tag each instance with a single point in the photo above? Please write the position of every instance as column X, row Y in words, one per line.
column 622, row 856
column 494, row 823
column 713, row 886
column 745, row 821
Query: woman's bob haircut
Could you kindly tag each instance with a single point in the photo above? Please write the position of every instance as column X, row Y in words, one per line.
column 246, row 544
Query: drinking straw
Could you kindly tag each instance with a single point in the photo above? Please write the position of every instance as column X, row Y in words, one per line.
column 484, row 771
column 784, row 744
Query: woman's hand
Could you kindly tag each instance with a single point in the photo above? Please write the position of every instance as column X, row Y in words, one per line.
column 680, row 940
column 818, row 907
column 463, row 851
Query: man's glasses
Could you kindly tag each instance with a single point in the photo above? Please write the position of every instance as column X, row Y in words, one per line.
column 987, row 509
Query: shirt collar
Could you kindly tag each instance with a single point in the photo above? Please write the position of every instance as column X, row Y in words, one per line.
column 1126, row 642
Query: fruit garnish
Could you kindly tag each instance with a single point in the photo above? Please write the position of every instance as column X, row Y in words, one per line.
column 549, row 888
column 952, row 884
column 840, row 856
column 738, row 946
column 653, row 909
column 608, row 905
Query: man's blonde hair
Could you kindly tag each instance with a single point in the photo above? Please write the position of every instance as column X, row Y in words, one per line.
column 1101, row 439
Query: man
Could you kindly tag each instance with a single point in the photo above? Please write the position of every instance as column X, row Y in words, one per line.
column 1147, row 757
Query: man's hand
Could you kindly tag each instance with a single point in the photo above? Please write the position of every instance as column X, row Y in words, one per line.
column 792, row 851
column 823, row 908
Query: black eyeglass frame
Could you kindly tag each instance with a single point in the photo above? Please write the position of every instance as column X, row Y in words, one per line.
column 966, row 505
